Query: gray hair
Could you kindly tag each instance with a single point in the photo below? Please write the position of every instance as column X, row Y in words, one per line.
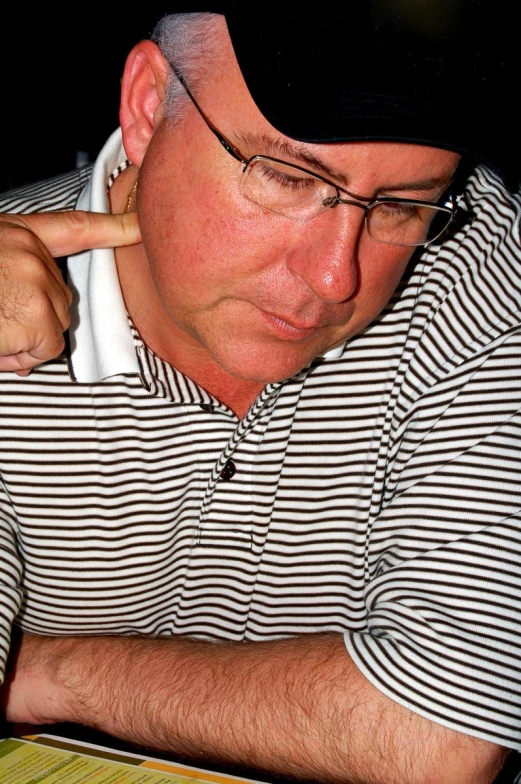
column 190, row 42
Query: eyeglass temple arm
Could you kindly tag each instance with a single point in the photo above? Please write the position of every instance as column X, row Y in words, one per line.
column 225, row 143
column 227, row 146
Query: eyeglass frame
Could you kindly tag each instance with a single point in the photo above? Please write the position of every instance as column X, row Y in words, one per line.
column 354, row 200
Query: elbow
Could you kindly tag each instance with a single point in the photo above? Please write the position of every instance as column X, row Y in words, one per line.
column 447, row 757
column 467, row 761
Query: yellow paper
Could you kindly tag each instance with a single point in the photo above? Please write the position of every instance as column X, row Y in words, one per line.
column 46, row 759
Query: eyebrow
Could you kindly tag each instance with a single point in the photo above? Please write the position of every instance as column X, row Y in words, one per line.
column 277, row 147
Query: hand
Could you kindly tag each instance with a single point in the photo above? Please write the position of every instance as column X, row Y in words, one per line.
column 27, row 695
column 34, row 299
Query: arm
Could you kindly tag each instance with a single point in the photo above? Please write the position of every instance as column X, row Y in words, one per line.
column 296, row 707
column 34, row 299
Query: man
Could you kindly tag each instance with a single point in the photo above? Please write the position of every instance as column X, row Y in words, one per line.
column 266, row 508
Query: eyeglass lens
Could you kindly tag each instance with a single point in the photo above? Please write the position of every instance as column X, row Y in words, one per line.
column 294, row 193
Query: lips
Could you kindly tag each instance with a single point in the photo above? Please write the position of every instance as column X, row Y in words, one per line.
column 303, row 322
column 334, row 318
column 300, row 326
column 288, row 329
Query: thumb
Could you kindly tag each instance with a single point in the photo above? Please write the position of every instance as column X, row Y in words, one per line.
column 72, row 231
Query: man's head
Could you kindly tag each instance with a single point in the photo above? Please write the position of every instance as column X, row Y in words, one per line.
column 235, row 289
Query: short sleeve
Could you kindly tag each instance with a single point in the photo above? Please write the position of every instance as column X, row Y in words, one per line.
column 444, row 631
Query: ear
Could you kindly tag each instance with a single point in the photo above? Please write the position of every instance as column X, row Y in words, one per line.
column 143, row 89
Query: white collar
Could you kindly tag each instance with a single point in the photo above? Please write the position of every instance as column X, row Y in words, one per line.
column 100, row 337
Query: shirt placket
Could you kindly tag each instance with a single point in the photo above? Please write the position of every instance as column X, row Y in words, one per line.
column 227, row 507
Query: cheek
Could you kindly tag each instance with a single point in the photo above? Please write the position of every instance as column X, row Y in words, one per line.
column 380, row 272
column 201, row 232
column 390, row 272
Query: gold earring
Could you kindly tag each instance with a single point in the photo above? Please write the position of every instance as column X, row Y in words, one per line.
column 131, row 194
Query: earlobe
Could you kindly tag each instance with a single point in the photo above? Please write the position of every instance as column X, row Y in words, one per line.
column 143, row 89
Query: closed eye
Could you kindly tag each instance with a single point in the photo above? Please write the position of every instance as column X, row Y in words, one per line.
column 395, row 209
column 287, row 180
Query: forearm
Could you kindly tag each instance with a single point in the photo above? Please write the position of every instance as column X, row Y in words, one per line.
column 298, row 707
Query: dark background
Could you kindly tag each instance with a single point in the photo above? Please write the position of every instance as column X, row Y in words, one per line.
column 60, row 74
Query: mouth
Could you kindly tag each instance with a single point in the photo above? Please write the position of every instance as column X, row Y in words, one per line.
column 289, row 329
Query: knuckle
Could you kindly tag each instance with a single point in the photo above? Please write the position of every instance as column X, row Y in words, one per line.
column 9, row 221
column 35, row 274
column 79, row 222
column 26, row 287
column 17, row 235
column 65, row 319
column 55, row 345
column 23, row 269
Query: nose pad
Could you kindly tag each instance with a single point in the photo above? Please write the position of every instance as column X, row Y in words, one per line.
column 327, row 260
column 331, row 201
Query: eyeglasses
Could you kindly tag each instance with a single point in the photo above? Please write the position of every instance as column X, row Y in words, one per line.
column 299, row 194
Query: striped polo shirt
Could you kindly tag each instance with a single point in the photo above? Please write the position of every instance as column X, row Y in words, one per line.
column 375, row 494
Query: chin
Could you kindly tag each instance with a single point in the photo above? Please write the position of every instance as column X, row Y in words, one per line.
column 266, row 367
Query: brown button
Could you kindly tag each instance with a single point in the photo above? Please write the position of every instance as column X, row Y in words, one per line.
column 228, row 471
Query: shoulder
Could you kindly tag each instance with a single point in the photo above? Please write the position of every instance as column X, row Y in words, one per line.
column 55, row 193
column 493, row 214
column 491, row 202
column 474, row 274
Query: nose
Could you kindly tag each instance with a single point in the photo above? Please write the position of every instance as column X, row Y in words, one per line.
column 326, row 254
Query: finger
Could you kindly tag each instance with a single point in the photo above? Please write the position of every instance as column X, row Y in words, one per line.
column 51, row 345
column 24, row 362
column 69, row 232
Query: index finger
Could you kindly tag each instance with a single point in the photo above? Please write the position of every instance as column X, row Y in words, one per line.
column 72, row 231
